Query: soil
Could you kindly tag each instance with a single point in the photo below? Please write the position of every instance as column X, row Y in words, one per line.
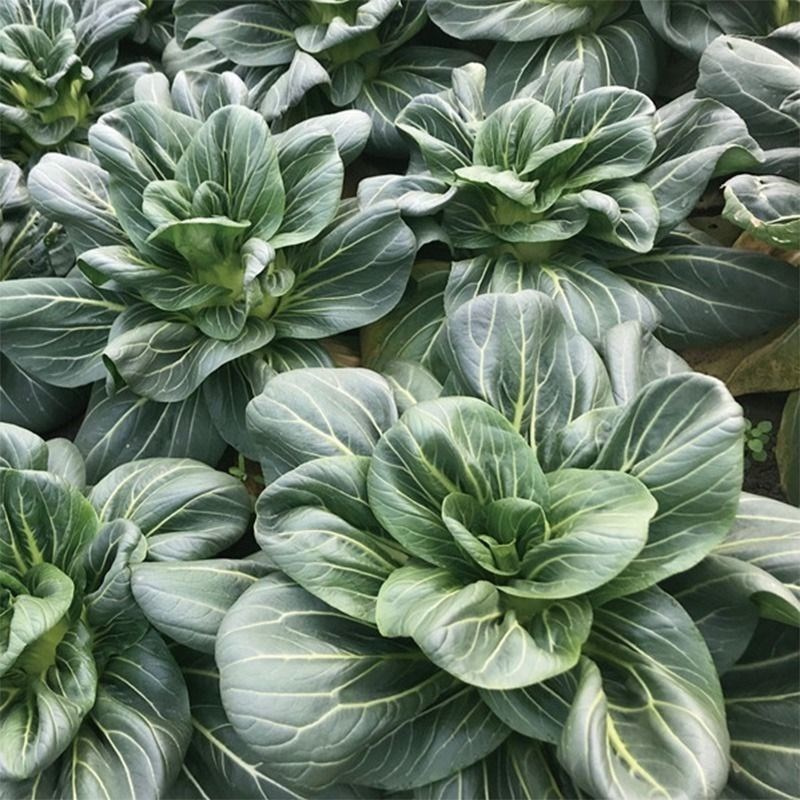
column 763, row 477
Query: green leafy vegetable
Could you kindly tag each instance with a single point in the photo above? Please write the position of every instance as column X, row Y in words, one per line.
column 93, row 701
column 484, row 540
column 58, row 69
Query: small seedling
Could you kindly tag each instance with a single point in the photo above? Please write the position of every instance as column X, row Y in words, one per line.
column 239, row 470
column 757, row 440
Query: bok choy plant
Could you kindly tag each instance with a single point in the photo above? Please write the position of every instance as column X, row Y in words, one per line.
column 210, row 249
column 93, row 700
column 58, row 69
column 345, row 53
column 471, row 585
column 366, row 332
column 581, row 195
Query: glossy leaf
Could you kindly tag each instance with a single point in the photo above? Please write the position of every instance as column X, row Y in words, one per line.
column 557, row 374
column 696, row 139
column 145, row 356
column 312, row 174
column 411, row 331
column 184, row 508
column 352, row 276
column 515, row 21
column 455, row 731
column 768, row 208
column 761, row 704
column 691, row 463
column 32, row 740
column 438, row 448
column 57, row 328
column 590, row 297
column 39, row 406
column 409, row 72
column 123, row 427
column 187, row 600
column 360, row 695
column 250, row 171
column 45, row 520
column 305, row 414
column 139, row 725
column 218, row 763
column 75, row 193
column 622, row 53
column 465, row 629
column 648, row 713
column 761, row 95
column 315, row 523
column 707, row 295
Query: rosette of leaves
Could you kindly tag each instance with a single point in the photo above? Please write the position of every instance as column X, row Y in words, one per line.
column 306, row 56
column 581, row 194
column 198, row 93
column 30, row 245
column 93, row 701
column 214, row 253
column 692, row 25
column 58, row 69
column 487, row 562
column 533, row 173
